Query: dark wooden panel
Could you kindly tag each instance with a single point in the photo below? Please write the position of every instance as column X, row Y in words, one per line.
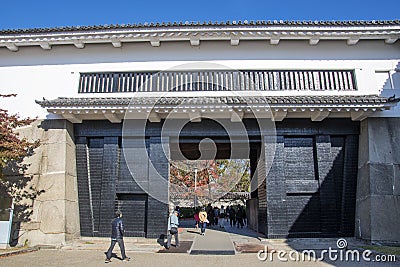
column 134, row 213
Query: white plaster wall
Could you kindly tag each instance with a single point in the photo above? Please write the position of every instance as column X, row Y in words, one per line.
column 34, row 73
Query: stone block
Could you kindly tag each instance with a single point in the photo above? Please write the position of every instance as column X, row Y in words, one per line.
column 384, row 140
column 37, row 237
column 363, row 149
column 53, row 186
column 72, row 219
column 71, row 188
column 32, row 132
column 363, row 182
column 56, row 156
column 70, row 159
column 396, row 182
column 54, row 131
column 53, row 217
column 32, row 225
column 381, row 179
column 34, row 162
column 363, row 218
column 385, row 219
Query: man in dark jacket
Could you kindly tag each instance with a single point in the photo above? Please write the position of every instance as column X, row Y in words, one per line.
column 117, row 235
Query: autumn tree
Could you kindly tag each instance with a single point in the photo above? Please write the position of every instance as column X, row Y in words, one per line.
column 214, row 178
column 14, row 182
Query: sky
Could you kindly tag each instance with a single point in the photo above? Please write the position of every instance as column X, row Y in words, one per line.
column 41, row 14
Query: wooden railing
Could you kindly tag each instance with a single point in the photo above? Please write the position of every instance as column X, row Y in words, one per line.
column 218, row 80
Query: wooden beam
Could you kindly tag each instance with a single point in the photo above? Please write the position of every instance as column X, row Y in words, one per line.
column 235, row 41
column 195, row 116
column 155, row 42
column 279, row 115
column 116, row 43
column 72, row 118
column 319, row 115
column 353, row 40
column 12, row 47
column 45, row 46
column 154, row 117
column 112, row 117
column 194, row 41
column 391, row 39
column 359, row 115
column 274, row 40
column 237, row 116
column 314, row 41
column 79, row 44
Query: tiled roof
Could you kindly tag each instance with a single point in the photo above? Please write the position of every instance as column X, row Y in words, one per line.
column 62, row 102
column 238, row 23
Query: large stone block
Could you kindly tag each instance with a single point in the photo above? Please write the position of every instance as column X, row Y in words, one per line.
column 54, row 131
column 72, row 229
column 363, row 150
column 396, row 182
column 70, row 159
column 385, row 219
column 384, row 140
column 32, row 225
column 363, row 183
column 53, row 186
column 37, row 237
column 35, row 161
column 35, row 210
column 56, row 154
column 381, row 179
column 53, row 217
column 363, row 218
column 71, row 188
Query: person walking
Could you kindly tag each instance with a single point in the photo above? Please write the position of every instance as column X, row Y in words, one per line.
column 227, row 212
column 239, row 216
column 210, row 214
column 221, row 217
column 203, row 220
column 232, row 216
column 173, row 224
column 244, row 216
column 196, row 218
column 117, row 236
column 216, row 215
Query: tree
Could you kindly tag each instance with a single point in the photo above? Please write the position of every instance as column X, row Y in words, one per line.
column 14, row 182
column 214, row 179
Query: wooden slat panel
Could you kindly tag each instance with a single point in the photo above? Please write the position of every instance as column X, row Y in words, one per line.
column 317, row 80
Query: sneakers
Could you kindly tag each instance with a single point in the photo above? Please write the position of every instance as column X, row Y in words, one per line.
column 126, row 259
column 107, row 260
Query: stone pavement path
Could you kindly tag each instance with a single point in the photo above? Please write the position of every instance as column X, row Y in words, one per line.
column 92, row 258
column 214, row 242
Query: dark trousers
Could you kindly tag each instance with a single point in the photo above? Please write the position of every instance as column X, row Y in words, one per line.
column 240, row 222
column 176, row 239
column 203, row 226
column 121, row 246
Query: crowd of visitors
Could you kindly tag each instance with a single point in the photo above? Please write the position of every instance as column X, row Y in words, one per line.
column 217, row 217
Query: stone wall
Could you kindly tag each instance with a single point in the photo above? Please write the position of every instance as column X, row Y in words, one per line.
column 378, row 190
column 55, row 216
